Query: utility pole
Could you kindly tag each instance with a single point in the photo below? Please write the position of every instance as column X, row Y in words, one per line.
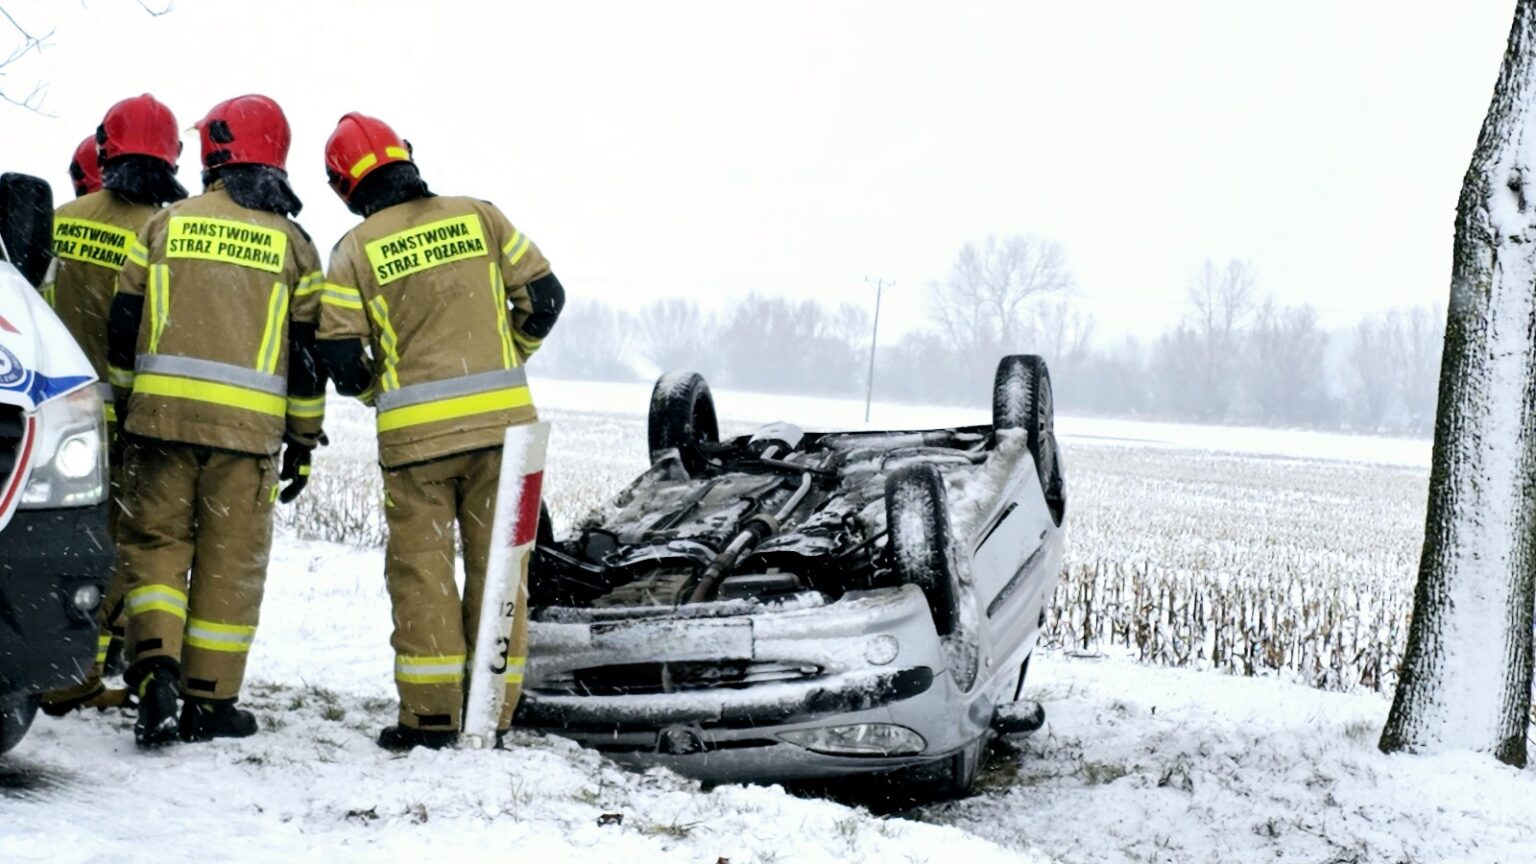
column 874, row 338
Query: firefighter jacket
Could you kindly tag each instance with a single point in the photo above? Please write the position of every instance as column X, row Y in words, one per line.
column 92, row 236
column 438, row 288
column 221, row 285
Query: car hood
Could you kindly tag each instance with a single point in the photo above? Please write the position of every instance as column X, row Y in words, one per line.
column 39, row 360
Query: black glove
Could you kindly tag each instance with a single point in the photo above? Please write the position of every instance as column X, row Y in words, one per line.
column 295, row 468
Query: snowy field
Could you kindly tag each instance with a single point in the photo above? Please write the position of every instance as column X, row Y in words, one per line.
column 1137, row 763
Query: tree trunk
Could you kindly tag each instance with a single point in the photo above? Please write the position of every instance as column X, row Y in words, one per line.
column 1466, row 677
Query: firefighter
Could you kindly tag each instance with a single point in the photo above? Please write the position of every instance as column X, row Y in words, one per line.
column 92, row 235
column 212, row 331
column 430, row 308
column 85, row 170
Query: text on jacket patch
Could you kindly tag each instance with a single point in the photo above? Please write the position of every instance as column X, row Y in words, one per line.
column 425, row 246
column 226, row 241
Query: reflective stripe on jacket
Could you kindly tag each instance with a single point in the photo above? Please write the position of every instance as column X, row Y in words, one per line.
column 221, row 284
column 437, row 287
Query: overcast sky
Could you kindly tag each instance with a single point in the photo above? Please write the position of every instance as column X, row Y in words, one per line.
column 708, row 149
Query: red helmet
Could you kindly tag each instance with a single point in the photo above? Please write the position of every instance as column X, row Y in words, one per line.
column 141, row 125
column 360, row 145
column 84, row 169
column 245, row 130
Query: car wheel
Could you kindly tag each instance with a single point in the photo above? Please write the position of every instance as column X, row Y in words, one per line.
column 918, row 524
column 954, row 776
column 26, row 224
column 1022, row 399
column 682, row 417
column 16, row 713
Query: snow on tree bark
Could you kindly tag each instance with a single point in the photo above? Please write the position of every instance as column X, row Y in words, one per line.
column 1466, row 675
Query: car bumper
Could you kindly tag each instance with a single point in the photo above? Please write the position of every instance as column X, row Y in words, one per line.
column 46, row 558
column 735, row 733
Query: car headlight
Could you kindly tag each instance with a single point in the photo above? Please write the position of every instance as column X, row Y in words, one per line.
column 860, row 739
column 71, row 466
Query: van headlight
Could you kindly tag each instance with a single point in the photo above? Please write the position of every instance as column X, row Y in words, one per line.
column 71, row 466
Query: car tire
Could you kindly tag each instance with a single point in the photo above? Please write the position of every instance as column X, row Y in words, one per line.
column 917, row 520
column 26, row 224
column 1022, row 398
column 945, row 779
column 682, row 417
column 16, row 713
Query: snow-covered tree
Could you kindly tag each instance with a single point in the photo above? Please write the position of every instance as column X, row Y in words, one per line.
column 1466, row 675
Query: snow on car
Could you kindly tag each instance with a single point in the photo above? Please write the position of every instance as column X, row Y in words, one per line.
column 54, row 550
column 791, row 604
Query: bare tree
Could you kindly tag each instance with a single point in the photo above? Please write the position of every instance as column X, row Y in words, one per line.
column 27, row 41
column 983, row 307
column 1465, row 682
column 1285, row 376
column 674, row 333
column 1222, row 303
column 1422, row 334
column 1062, row 332
column 1372, row 372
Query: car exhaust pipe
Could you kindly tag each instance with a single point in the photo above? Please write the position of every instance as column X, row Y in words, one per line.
column 757, row 529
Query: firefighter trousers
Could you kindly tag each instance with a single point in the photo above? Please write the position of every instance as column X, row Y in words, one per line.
column 435, row 628
column 193, row 541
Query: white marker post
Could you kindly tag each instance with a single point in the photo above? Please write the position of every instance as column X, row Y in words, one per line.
column 513, row 534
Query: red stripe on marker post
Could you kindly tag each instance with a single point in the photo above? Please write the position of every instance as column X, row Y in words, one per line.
column 526, row 529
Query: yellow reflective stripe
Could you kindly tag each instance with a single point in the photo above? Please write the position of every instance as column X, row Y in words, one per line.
column 213, row 636
column 103, row 642
column 363, row 164
column 109, row 410
column 517, row 247
column 452, row 409
column 159, row 304
column 50, row 295
column 367, row 396
column 306, row 407
column 175, row 387
column 341, row 295
column 397, row 152
column 309, row 284
column 504, row 329
column 431, row 669
column 156, row 598
column 378, row 307
column 119, row 377
column 515, row 668
column 529, row 345
column 139, row 254
column 272, row 337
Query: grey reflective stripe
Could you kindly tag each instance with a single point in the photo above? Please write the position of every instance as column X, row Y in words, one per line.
column 209, row 370
column 104, row 390
column 464, row 385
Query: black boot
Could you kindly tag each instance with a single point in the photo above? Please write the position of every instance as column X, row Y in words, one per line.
column 403, row 738
column 158, row 684
column 206, row 719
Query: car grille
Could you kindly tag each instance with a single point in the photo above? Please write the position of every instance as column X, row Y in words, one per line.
column 12, row 426
column 633, row 679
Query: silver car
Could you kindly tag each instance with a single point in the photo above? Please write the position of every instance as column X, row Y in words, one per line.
column 791, row 605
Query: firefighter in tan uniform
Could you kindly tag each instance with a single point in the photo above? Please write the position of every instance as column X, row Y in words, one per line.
column 213, row 329
column 92, row 235
column 430, row 308
column 85, row 166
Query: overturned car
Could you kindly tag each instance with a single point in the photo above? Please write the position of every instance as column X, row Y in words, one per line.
column 794, row 605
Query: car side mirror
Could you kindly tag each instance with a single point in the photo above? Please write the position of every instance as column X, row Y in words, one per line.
column 26, row 224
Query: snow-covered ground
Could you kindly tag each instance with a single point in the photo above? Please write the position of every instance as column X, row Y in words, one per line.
column 1136, row 763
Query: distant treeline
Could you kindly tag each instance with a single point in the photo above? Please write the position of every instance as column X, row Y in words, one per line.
column 1234, row 357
